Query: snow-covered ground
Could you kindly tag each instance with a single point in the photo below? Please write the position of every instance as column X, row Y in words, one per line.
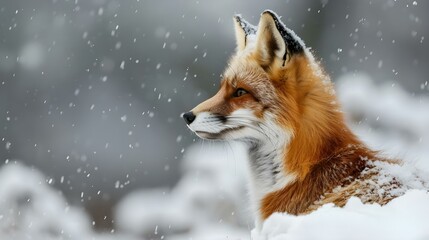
column 403, row 218
column 210, row 201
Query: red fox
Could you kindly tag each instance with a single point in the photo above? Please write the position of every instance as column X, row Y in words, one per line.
column 278, row 100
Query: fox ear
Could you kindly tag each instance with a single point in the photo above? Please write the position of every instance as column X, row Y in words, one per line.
column 243, row 30
column 274, row 42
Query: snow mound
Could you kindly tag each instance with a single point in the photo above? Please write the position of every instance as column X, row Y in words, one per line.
column 31, row 209
column 404, row 217
column 152, row 214
column 209, row 202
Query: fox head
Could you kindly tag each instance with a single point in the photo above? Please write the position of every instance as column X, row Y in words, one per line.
column 264, row 88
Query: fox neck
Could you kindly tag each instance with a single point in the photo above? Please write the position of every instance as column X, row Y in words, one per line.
column 266, row 163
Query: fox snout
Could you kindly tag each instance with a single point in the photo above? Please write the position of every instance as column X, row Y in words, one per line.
column 206, row 125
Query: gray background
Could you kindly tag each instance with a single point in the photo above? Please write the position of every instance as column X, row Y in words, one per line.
column 100, row 130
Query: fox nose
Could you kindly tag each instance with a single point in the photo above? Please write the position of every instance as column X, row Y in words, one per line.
column 189, row 117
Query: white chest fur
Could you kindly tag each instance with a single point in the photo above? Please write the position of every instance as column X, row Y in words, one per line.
column 267, row 171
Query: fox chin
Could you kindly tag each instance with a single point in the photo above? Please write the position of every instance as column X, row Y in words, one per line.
column 275, row 97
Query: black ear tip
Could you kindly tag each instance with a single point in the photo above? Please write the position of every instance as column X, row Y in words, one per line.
column 248, row 28
column 293, row 42
column 271, row 13
column 238, row 18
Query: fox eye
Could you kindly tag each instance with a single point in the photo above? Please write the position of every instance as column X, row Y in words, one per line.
column 239, row 92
